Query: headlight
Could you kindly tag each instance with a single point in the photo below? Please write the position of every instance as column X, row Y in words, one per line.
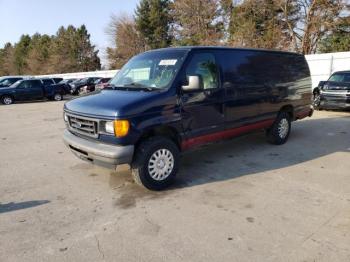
column 109, row 127
column 119, row 128
column 65, row 117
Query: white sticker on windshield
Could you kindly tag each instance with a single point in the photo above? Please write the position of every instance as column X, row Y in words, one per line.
column 168, row 62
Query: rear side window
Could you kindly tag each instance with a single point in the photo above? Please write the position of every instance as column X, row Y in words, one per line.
column 34, row 84
column 204, row 65
column 57, row 80
column 249, row 68
column 48, row 82
column 347, row 78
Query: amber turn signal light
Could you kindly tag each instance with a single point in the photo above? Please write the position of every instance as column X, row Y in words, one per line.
column 121, row 128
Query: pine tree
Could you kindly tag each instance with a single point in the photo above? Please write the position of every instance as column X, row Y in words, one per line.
column 39, row 54
column 7, row 63
column 259, row 24
column 197, row 22
column 339, row 39
column 72, row 51
column 21, row 51
column 153, row 20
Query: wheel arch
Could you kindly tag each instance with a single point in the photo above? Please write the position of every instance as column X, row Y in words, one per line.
column 289, row 109
column 164, row 131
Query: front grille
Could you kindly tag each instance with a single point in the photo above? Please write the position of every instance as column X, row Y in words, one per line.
column 82, row 125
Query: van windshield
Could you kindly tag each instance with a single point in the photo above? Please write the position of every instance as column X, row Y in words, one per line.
column 151, row 70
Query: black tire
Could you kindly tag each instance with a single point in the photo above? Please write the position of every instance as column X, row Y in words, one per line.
column 7, row 100
column 316, row 100
column 142, row 162
column 278, row 134
column 57, row 97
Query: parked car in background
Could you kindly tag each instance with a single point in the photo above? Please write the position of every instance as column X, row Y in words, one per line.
column 31, row 89
column 170, row 100
column 9, row 80
column 333, row 93
column 102, row 83
column 84, row 85
column 65, row 85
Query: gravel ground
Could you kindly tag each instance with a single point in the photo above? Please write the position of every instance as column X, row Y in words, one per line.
column 242, row 200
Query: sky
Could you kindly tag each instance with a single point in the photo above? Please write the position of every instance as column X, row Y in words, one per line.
column 46, row 16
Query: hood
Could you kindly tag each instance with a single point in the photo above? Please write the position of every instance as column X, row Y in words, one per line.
column 329, row 85
column 6, row 89
column 120, row 103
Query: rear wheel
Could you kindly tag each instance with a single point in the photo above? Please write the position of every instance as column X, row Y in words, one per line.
column 279, row 132
column 57, row 97
column 7, row 100
column 155, row 163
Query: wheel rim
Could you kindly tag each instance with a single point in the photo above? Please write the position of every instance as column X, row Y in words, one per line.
column 7, row 100
column 283, row 128
column 161, row 164
column 58, row 97
column 317, row 100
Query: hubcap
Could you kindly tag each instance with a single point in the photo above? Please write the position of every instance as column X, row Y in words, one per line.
column 317, row 100
column 283, row 128
column 58, row 97
column 7, row 100
column 161, row 164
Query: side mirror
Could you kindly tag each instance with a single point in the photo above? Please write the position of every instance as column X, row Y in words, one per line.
column 194, row 83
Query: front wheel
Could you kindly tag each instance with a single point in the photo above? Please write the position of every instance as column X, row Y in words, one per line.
column 316, row 101
column 279, row 132
column 7, row 100
column 155, row 163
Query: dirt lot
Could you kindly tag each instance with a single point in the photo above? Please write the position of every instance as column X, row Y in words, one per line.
column 243, row 200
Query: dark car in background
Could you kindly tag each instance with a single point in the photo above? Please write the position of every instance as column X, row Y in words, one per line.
column 333, row 93
column 31, row 89
column 167, row 101
column 65, row 85
column 102, row 83
column 9, row 80
column 87, row 84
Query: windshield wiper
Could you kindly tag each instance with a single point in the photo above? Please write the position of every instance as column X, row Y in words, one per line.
column 140, row 86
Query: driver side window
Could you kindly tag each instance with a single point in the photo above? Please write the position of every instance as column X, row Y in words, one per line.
column 203, row 65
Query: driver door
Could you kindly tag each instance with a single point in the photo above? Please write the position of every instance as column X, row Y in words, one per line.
column 202, row 110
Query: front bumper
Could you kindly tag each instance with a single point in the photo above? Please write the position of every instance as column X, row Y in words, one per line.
column 335, row 100
column 98, row 153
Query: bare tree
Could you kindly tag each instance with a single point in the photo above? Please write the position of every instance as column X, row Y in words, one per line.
column 126, row 40
column 316, row 18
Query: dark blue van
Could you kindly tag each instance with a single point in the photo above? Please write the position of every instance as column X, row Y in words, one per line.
column 166, row 101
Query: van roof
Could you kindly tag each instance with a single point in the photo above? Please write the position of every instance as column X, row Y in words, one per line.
column 188, row 48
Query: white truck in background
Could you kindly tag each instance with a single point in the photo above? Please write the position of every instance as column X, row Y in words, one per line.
column 323, row 65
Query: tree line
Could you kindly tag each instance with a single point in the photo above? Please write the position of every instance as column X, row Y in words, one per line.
column 303, row 26
column 69, row 50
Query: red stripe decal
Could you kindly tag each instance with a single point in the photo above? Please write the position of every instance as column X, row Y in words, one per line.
column 186, row 144
column 304, row 114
